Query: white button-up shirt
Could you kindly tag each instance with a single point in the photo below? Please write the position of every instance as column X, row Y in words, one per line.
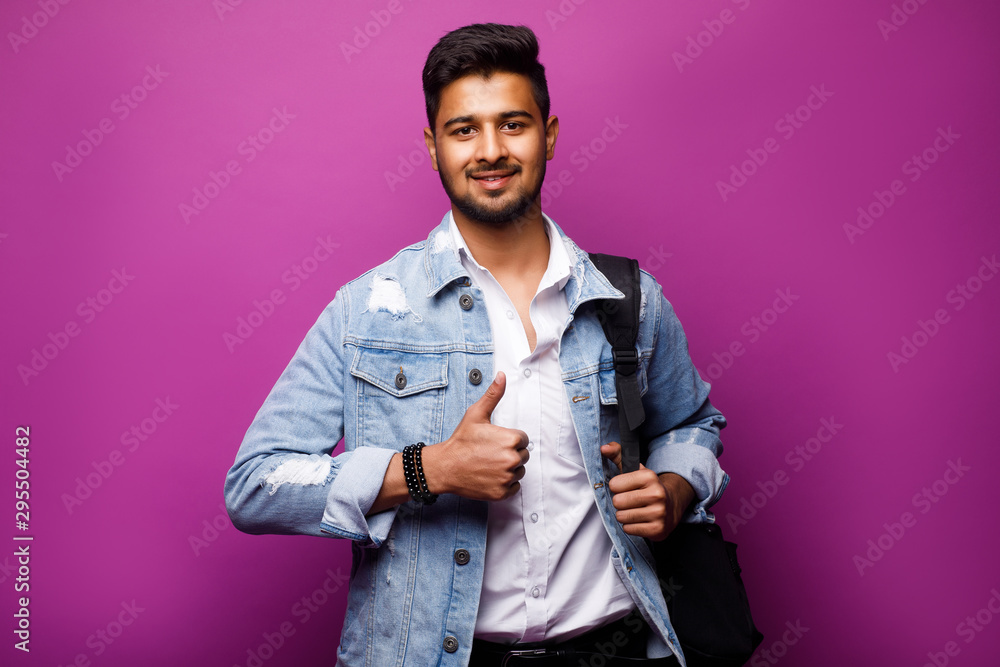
column 548, row 572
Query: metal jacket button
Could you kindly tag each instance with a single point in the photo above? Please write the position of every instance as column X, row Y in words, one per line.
column 475, row 376
column 450, row 644
column 461, row 556
column 465, row 301
column 400, row 380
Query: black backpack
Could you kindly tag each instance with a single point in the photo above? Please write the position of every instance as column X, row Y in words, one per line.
column 705, row 595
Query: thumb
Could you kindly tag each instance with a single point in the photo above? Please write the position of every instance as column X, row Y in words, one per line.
column 483, row 408
column 613, row 451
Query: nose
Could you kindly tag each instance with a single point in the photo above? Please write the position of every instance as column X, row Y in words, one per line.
column 491, row 147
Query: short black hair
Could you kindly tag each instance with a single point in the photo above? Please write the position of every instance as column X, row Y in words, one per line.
column 482, row 49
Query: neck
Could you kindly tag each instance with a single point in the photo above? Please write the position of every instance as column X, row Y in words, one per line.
column 518, row 248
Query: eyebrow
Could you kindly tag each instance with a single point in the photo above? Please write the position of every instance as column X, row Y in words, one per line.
column 506, row 115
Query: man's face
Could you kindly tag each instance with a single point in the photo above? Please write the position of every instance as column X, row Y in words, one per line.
column 491, row 146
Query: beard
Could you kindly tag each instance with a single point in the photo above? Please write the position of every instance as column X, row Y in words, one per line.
column 502, row 207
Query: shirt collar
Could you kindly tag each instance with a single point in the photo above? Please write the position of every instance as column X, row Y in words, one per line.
column 443, row 265
column 556, row 273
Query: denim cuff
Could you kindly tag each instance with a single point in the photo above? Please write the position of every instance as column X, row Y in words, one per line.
column 699, row 466
column 352, row 494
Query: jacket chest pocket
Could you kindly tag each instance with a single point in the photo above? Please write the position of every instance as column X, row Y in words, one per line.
column 400, row 396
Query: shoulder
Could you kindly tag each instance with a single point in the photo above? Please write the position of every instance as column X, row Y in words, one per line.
column 404, row 263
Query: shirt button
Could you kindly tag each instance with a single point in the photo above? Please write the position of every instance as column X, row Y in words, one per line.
column 527, row 372
column 535, row 592
column 531, row 446
column 400, row 380
column 510, row 314
column 534, row 517
column 450, row 644
column 465, row 301
column 475, row 376
column 461, row 556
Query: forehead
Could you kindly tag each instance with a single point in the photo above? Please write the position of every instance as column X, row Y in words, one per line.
column 475, row 95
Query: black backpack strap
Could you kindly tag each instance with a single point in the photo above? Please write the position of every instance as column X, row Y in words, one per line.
column 620, row 321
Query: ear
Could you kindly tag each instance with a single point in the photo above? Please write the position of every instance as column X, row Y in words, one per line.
column 431, row 147
column 551, row 133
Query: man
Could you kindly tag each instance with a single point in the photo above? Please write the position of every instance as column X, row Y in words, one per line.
column 511, row 530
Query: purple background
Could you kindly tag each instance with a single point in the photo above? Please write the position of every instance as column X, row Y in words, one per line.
column 153, row 531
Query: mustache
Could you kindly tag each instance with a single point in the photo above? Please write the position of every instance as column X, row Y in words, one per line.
column 500, row 166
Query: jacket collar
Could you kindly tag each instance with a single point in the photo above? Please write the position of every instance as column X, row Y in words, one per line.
column 442, row 264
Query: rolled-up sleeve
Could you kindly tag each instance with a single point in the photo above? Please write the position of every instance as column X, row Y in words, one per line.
column 682, row 426
column 284, row 479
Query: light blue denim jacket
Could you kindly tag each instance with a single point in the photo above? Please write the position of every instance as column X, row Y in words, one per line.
column 390, row 362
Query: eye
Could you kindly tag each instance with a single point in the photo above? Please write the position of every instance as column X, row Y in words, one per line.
column 462, row 131
column 512, row 125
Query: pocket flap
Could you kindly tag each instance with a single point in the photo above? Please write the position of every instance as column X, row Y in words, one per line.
column 401, row 373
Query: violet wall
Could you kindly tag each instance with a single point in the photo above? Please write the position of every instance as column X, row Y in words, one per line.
column 815, row 185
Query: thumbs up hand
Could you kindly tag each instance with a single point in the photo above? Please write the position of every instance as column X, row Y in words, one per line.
column 480, row 460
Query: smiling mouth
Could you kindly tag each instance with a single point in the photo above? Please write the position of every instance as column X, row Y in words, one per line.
column 494, row 180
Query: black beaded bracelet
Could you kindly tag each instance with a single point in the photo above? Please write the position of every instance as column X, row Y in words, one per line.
column 428, row 497
column 413, row 471
column 410, row 472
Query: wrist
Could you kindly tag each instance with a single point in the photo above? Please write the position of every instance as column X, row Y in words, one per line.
column 435, row 462
column 679, row 491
